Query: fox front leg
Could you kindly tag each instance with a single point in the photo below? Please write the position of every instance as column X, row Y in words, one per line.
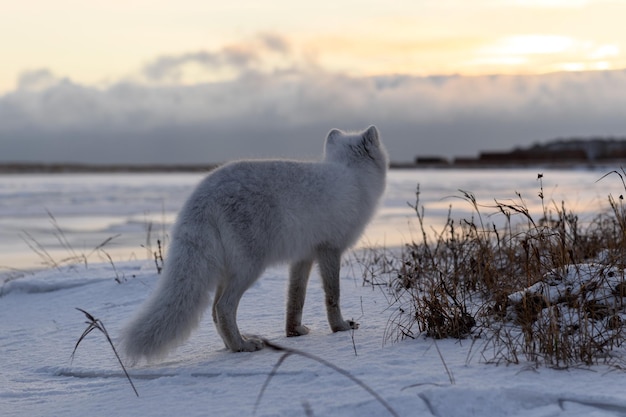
column 330, row 262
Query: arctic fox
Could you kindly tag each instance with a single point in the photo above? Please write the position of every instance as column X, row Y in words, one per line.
column 248, row 215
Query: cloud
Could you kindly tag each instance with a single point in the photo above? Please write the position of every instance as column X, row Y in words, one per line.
column 171, row 67
column 547, row 53
column 37, row 80
column 263, row 52
column 276, row 103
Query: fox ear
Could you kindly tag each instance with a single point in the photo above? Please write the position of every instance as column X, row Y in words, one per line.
column 333, row 135
column 371, row 135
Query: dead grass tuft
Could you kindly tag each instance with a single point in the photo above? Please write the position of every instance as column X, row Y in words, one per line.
column 548, row 289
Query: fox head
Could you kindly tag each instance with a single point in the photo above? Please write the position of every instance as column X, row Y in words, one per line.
column 361, row 148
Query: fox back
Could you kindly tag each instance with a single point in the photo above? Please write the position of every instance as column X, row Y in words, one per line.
column 279, row 210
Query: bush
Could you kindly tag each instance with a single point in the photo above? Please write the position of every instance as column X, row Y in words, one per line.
column 548, row 290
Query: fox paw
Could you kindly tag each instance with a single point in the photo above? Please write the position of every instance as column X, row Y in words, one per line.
column 297, row 331
column 345, row 325
column 251, row 344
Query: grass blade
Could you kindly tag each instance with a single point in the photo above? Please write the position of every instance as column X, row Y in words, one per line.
column 93, row 324
column 289, row 351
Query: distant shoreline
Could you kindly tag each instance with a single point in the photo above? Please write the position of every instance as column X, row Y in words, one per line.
column 561, row 153
column 72, row 168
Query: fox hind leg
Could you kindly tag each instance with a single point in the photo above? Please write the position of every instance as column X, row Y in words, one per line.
column 225, row 306
column 298, row 279
column 217, row 296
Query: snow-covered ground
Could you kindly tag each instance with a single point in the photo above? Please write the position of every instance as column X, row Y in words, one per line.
column 39, row 324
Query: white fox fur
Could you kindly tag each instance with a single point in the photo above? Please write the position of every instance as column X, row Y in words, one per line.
column 248, row 215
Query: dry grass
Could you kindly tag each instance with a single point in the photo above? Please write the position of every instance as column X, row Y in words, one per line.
column 287, row 352
column 545, row 289
column 72, row 257
column 96, row 324
column 156, row 254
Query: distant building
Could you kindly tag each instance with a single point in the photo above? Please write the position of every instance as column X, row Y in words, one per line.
column 534, row 156
column 558, row 151
column 431, row 160
column 561, row 151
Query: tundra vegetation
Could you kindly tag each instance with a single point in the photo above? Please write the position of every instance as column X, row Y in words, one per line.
column 545, row 289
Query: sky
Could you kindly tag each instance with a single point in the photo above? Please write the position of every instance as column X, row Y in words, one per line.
column 193, row 81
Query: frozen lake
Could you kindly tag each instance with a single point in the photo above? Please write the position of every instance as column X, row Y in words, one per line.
column 138, row 209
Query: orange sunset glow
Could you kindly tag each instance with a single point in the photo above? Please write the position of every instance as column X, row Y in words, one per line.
column 102, row 42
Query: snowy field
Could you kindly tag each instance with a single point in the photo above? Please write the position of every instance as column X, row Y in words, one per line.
column 39, row 324
column 90, row 209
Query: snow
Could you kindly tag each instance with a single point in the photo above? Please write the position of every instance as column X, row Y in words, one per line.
column 39, row 326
